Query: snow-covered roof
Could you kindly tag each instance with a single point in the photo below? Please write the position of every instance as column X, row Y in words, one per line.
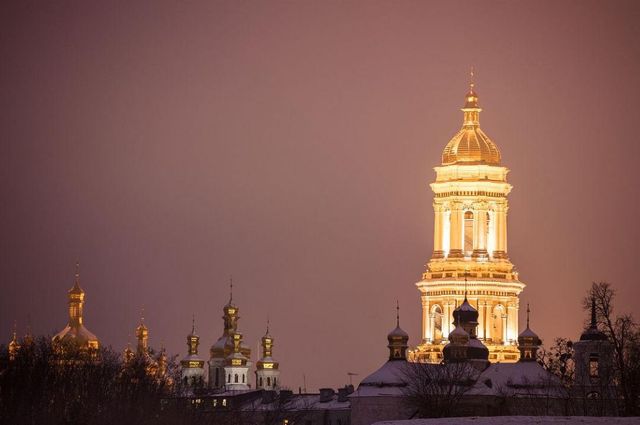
column 517, row 420
column 386, row 381
column 520, row 378
column 398, row 331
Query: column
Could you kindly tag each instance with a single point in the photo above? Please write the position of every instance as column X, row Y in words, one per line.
column 438, row 251
column 480, row 230
column 501, row 232
column 446, row 320
column 455, row 231
column 426, row 325
column 512, row 312
column 504, row 329
column 487, row 321
column 480, row 319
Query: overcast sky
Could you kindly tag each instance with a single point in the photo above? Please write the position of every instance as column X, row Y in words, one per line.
column 168, row 145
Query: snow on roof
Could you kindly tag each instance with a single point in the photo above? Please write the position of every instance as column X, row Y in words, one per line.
column 528, row 333
column 386, row 381
column 517, row 420
column 520, row 378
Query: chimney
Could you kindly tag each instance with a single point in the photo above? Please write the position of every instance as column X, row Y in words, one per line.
column 326, row 395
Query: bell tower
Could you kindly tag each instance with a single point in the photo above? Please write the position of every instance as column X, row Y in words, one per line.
column 470, row 243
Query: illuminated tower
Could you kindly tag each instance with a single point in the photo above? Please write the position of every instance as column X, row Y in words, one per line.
column 14, row 345
column 236, row 366
column 142, row 335
column 470, row 239
column 75, row 332
column 192, row 365
column 267, row 369
column 226, row 345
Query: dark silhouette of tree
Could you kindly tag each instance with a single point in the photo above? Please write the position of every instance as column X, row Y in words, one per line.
column 624, row 334
column 435, row 390
column 45, row 384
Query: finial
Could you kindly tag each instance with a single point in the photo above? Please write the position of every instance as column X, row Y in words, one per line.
column 466, row 272
column 15, row 327
column 142, row 315
column 528, row 311
column 267, row 324
column 471, row 79
column 77, row 271
column 193, row 324
column 593, row 312
column 230, row 288
column 397, row 313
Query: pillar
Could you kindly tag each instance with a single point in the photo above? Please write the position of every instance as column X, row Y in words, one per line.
column 504, row 329
column 480, row 319
column 501, row 232
column 455, row 231
column 426, row 325
column 438, row 251
column 480, row 231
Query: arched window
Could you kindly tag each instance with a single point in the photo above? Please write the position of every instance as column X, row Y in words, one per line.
column 593, row 365
column 436, row 314
column 229, row 378
column 268, row 381
column 243, row 378
column 468, row 233
column 235, row 378
column 275, row 381
column 261, row 381
column 497, row 325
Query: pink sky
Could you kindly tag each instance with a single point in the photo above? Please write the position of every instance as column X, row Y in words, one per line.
column 167, row 145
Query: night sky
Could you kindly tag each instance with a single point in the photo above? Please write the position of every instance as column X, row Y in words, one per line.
column 168, row 145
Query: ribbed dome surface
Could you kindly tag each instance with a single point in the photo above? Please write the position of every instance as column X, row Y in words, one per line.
column 471, row 146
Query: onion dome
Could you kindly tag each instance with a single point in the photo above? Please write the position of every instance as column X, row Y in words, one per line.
column 528, row 342
column 471, row 145
column 398, row 340
column 267, row 361
column 592, row 333
column 142, row 334
column 75, row 331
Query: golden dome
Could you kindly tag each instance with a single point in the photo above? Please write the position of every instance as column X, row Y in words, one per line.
column 471, row 145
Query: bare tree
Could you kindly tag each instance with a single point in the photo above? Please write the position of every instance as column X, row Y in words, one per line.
column 558, row 360
column 624, row 334
column 436, row 390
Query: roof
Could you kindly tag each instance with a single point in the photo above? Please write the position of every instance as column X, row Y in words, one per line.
column 78, row 333
column 520, row 378
column 528, row 333
column 471, row 145
column 398, row 331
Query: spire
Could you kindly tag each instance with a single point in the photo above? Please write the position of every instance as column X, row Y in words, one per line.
column 528, row 311
column 76, row 282
column 193, row 324
column 267, row 333
column 471, row 109
column 230, row 289
column 397, row 313
column 465, row 280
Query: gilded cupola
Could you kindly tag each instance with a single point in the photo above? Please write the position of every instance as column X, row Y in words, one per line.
column 471, row 146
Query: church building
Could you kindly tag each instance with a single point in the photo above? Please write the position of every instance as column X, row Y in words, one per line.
column 470, row 256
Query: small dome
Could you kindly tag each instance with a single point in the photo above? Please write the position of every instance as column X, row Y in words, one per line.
column 471, row 145
column 465, row 313
column 398, row 332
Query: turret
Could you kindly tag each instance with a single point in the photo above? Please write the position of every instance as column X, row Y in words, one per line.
column 192, row 365
column 528, row 343
column 75, row 331
column 267, row 369
column 398, row 340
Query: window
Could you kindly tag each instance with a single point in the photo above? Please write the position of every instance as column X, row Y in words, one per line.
column 593, row 366
column 275, row 381
column 268, row 381
column 243, row 377
column 261, row 381
column 468, row 232
column 229, row 378
column 235, row 378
